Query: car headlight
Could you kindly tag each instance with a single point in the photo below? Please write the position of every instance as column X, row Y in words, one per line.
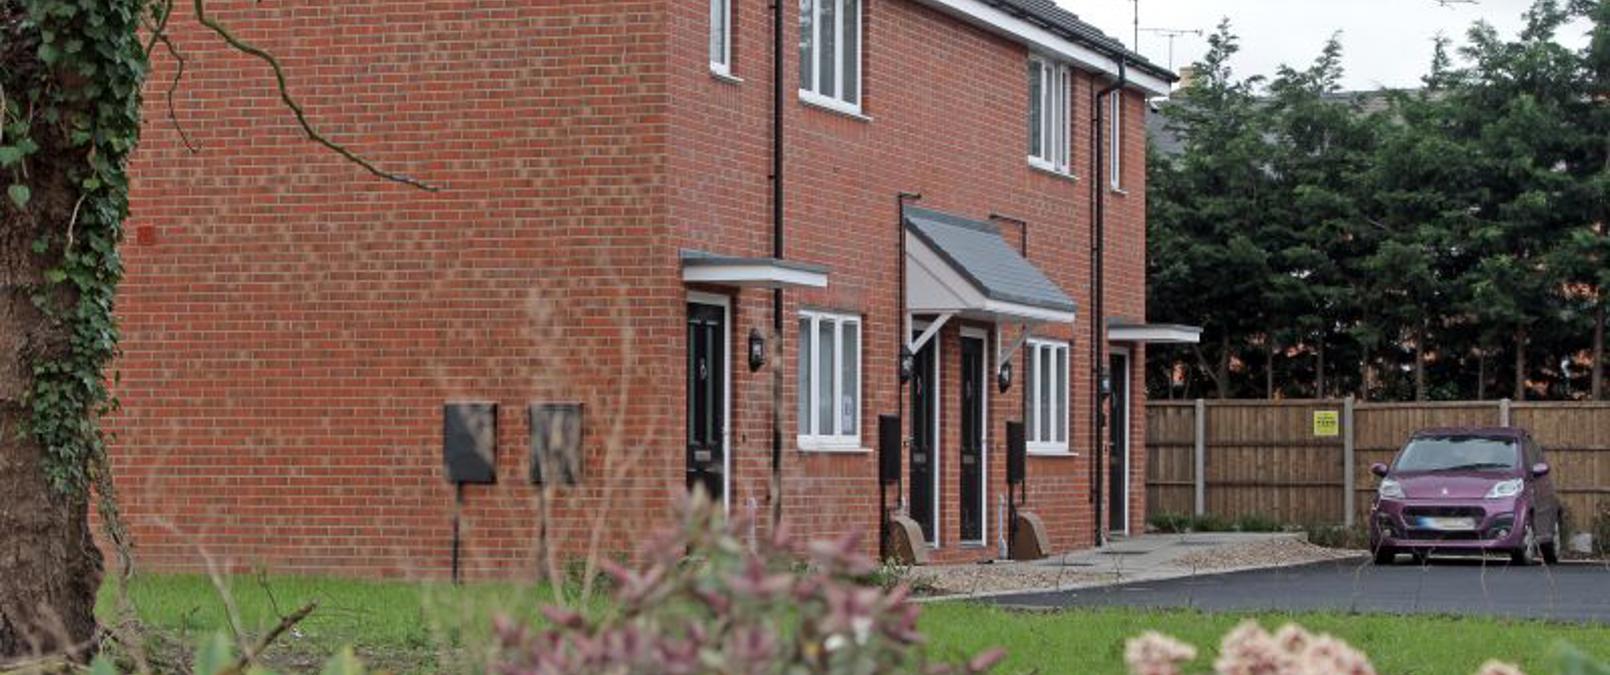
column 1508, row 488
column 1390, row 489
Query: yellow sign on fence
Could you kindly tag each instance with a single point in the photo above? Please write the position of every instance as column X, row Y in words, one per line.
column 1327, row 423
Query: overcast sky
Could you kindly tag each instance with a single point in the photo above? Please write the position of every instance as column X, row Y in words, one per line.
column 1386, row 43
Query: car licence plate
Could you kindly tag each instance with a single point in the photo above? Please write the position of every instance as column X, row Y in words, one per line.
column 1448, row 524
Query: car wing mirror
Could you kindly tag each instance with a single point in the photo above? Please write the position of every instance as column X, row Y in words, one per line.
column 1540, row 469
column 1378, row 469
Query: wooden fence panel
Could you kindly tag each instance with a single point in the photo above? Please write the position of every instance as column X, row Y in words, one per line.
column 1263, row 457
column 1263, row 460
column 1170, row 457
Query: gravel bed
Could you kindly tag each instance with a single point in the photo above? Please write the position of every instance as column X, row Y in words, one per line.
column 1002, row 576
column 1284, row 551
column 1097, row 568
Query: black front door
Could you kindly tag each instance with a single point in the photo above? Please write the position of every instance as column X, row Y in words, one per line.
column 1118, row 463
column 707, row 393
column 972, row 427
column 924, row 395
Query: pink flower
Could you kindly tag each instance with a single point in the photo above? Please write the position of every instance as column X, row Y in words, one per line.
column 1154, row 653
column 1326, row 655
column 1494, row 667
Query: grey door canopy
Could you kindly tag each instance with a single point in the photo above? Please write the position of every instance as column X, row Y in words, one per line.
column 964, row 267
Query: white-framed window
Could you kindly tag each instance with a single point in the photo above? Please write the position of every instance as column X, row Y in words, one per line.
column 830, row 53
column 1115, row 141
column 1050, row 144
column 721, row 36
column 829, row 381
column 1045, row 396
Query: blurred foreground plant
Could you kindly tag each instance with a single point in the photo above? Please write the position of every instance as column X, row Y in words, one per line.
column 1292, row 650
column 704, row 601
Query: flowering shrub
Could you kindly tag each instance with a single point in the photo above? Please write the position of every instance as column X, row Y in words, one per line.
column 1250, row 650
column 704, row 602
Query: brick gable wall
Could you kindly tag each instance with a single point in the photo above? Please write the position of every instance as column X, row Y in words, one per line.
column 292, row 325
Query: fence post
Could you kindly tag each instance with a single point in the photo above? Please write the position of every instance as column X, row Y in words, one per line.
column 1349, row 445
column 1503, row 412
column 1201, row 457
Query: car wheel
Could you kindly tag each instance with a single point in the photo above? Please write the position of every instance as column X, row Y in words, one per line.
column 1385, row 556
column 1551, row 550
column 1526, row 555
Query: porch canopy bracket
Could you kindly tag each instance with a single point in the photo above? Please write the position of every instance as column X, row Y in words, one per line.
column 927, row 333
column 1006, row 355
column 956, row 267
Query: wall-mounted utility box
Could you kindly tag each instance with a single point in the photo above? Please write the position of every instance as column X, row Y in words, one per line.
column 1017, row 463
column 555, row 442
column 470, row 441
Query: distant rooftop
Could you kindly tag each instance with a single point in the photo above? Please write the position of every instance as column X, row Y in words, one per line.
column 1165, row 142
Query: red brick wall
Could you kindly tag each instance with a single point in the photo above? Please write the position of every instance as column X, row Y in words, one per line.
column 292, row 333
column 943, row 115
column 294, row 329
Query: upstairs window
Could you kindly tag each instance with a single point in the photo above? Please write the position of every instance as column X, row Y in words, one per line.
column 1045, row 397
column 721, row 36
column 830, row 53
column 1049, row 146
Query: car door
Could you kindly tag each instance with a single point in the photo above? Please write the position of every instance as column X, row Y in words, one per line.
column 1545, row 499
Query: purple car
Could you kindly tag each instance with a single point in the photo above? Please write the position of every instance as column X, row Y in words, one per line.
column 1470, row 491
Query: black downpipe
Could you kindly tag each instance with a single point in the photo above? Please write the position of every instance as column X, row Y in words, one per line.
column 1098, row 319
column 901, row 339
column 777, row 252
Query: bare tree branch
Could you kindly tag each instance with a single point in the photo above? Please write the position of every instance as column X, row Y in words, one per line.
column 301, row 116
column 173, row 87
column 286, row 623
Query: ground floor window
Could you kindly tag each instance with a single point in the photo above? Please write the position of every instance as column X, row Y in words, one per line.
column 829, row 381
column 1045, row 396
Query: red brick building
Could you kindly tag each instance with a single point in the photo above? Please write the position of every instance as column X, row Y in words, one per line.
column 604, row 235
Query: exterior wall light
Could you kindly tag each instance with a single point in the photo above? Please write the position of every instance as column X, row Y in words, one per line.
column 757, row 350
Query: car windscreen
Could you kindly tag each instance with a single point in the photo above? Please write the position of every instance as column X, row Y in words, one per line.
column 1458, row 453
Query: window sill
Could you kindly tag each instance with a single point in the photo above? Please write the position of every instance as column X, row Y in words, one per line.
column 720, row 75
column 1118, row 191
column 1051, row 453
column 832, row 105
column 1047, row 168
column 831, row 447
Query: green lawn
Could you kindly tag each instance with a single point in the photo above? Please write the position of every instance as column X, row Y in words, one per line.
column 402, row 626
column 433, row 627
column 1092, row 641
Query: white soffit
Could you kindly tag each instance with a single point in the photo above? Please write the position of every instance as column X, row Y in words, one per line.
column 1042, row 40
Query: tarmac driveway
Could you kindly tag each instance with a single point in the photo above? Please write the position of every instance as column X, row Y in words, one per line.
column 1569, row 592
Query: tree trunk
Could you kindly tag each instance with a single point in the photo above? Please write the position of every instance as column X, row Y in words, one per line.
column 1319, row 371
column 1520, row 364
column 1420, row 362
column 1481, row 375
column 50, row 568
column 1269, row 368
column 1598, row 352
column 1366, row 374
column 1223, row 379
